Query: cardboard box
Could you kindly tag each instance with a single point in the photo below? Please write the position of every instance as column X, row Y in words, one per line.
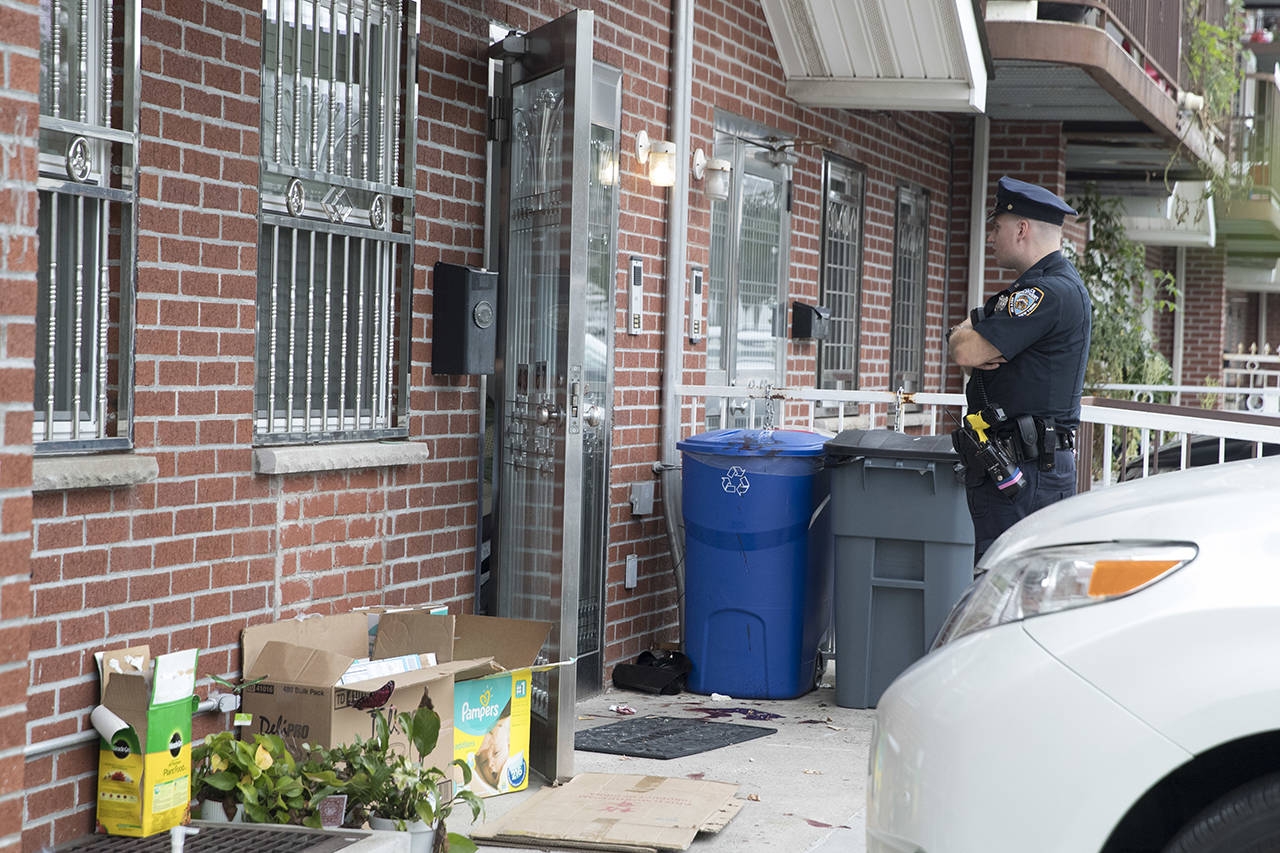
column 144, row 753
column 491, row 696
column 481, row 663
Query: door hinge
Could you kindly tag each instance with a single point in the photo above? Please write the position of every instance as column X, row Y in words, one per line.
column 497, row 124
column 511, row 46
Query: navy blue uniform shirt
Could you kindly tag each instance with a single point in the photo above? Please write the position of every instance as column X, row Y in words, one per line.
column 1041, row 326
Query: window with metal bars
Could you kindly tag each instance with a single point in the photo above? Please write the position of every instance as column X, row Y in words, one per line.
column 910, row 256
column 86, row 192
column 336, row 221
column 841, row 272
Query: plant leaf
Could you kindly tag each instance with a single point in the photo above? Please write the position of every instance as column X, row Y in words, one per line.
column 461, row 844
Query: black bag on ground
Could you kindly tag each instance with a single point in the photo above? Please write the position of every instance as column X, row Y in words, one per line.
column 658, row 672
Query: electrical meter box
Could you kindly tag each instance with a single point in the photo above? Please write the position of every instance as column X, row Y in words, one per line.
column 464, row 334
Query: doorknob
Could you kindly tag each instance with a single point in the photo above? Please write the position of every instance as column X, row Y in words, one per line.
column 594, row 416
column 546, row 413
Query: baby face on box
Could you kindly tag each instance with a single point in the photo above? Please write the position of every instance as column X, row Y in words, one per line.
column 491, row 731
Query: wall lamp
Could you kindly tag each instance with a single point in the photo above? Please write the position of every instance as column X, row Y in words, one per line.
column 659, row 157
column 714, row 173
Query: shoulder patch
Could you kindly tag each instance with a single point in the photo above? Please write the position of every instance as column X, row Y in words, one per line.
column 1024, row 302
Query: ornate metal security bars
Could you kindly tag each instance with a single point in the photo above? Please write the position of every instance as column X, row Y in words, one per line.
column 841, row 272
column 336, row 222
column 86, row 191
column 906, row 367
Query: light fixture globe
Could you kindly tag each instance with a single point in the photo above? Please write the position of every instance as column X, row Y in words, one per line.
column 662, row 163
column 716, row 181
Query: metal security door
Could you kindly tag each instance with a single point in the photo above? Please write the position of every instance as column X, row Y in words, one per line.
column 542, row 408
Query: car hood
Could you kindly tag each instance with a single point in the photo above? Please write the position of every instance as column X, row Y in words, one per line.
column 1178, row 505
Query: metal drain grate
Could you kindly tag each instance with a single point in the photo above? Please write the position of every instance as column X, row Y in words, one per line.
column 220, row 838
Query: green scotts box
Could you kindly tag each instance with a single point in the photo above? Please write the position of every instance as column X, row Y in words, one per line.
column 491, row 730
column 144, row 752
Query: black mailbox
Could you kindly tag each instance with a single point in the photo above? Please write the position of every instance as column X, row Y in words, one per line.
column 810, row 321
column 463, row 338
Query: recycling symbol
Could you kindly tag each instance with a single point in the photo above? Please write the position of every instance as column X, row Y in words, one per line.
column 735, row 482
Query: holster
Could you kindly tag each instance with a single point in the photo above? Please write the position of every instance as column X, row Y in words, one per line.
column 1048, row 443
column 1027, row 438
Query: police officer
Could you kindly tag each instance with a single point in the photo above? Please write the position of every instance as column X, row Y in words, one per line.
column 1025, row 351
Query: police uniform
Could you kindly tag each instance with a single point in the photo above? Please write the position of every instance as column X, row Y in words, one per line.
column 1041, row 326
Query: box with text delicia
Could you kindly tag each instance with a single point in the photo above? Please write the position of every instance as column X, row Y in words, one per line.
column 306, row 695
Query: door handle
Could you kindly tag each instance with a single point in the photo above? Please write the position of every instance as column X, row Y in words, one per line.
column 546, row 413
column 594, row 416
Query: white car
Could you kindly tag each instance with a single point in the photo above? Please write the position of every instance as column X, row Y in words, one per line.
column 1112, row 683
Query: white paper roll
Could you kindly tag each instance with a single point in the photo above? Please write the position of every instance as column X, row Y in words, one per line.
column 106, row 723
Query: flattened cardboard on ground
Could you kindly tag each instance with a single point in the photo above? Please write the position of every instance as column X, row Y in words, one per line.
column 609, row 811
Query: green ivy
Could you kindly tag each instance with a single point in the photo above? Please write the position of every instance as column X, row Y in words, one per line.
column 1212, row 54
column 1114, row 270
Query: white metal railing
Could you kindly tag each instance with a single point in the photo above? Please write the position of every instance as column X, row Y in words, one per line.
column 1121, row 439
column 1258, row 398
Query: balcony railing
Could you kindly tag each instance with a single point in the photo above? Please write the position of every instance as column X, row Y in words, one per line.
column 1118, row 440
column 1144, row 29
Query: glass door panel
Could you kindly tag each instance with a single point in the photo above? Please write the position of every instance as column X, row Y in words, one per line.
column 543, row 262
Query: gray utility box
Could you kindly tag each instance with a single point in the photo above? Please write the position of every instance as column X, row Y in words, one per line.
column 903, row 553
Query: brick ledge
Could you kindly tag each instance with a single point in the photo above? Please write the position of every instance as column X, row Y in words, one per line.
column 338, row 457
column 67, row 473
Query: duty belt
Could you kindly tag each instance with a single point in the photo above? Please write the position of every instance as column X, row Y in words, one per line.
column 1025, row 437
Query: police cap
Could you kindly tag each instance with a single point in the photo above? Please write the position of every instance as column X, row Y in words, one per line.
column 1029, row 201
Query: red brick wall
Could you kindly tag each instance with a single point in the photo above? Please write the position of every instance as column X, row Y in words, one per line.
column 736, row 70
column 211, row 547
column 19, row 121
column 1029, row 151
column 1205, row 324
column 957, row 306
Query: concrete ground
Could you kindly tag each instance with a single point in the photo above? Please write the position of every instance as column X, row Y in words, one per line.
column 805, row 786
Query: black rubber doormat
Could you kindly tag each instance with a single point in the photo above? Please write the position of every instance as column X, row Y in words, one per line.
column 664, row 737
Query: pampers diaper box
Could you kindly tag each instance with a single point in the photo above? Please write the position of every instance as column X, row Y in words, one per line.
column 144, row 729
column 491, row 694
column 491, row 730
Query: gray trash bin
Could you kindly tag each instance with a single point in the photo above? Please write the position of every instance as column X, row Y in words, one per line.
column 903, row 553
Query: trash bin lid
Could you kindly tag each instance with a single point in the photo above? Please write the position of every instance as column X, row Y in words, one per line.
column 755, row 442
column 886, row 443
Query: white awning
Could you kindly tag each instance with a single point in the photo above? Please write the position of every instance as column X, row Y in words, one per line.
column 1183, row 218
column 881, row 54
column 1254, row 275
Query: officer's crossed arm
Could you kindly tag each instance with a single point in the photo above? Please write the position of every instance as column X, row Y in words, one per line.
column 969, row 349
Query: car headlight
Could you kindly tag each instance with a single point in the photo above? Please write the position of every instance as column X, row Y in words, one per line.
column 1046, row 580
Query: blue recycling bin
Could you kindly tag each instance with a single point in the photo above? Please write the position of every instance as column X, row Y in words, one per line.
column 758, row 547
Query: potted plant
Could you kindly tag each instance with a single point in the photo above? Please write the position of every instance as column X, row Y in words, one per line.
column 394, row 789
column 258, row 780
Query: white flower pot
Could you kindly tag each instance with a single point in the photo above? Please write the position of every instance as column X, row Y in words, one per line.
column 420, row 835
column 212, row 811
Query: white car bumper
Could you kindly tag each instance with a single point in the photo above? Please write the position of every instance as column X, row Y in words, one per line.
column 976, row 744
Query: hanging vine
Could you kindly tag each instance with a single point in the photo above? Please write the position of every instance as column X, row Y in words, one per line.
column 1213, row 56
column 1123, row 291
